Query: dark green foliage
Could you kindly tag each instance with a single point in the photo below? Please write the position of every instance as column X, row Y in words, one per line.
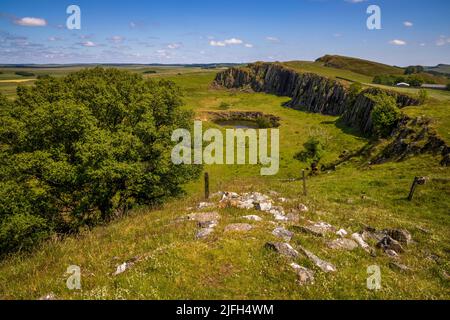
column 314, row 151
column 149, row 72
column 84, row 149
column 414, row 69
column 448, row 86
column 415, row 80
column 385, row 114
column 422, row 96
column 25, row 74
column 354, row 90
column 224, row 105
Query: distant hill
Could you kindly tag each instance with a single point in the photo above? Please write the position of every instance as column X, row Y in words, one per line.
column 440, row 68
column 365, row 67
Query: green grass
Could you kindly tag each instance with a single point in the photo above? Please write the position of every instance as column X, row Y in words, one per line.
column 360, row 66
column 237, row 266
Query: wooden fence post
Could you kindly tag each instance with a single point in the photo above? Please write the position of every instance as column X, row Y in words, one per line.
column 206, row 185
column 305, row 192
column 418, row 181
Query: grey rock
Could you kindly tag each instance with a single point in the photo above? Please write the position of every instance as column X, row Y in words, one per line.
column 318, row 229
column 322, row 264
column 238, row 227
column 283, row 248
column 359, row 239
column 50, row 296
column 401, row 235
column 253, row 218
column 343, row 243
column 399, row 267
column 387, row 243
column 305, row 276
column 204, row 216
column 286, row 235
column 203, row 233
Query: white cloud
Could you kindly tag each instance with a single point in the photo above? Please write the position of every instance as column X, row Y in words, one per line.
column 224, row 43
column 442, row 41
column 174, row 45
column 88, row 44
column 355, row 1
column 116, row 39
column 233, row 41
column 54, row 39
column 217, row 43
column 248, row 45
column 272, row 39
column 408, row 24
column 31, row 22
column 397, row 42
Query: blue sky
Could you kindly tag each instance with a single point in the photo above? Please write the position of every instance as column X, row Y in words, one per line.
column 199, row 31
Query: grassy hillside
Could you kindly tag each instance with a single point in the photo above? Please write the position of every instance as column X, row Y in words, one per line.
column 170, row 263
column 365, row 67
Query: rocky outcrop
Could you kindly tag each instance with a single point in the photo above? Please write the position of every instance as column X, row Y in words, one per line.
column 262, row 119
column 309, row 92
column 314, row 93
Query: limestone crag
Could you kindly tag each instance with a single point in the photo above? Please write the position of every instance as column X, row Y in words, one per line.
column 309, row 92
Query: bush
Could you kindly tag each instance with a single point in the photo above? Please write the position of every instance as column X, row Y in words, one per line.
column 25, row 74
column 314, row 150
column 83, row 149
column 224, row 105
column 385, row 114
column 422, row 96
column 448, row 86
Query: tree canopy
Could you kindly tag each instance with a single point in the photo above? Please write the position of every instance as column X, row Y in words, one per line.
column 83, row 149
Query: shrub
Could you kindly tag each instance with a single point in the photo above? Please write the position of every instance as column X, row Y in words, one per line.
column 422, row 96
column 25, row 74
column 448, row 86
column 224, row 105
column 314, row 150
column 83, row 149
column 385, row 114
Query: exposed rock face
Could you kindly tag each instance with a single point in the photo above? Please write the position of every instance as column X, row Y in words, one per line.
column 308, row 91
column 271, row 120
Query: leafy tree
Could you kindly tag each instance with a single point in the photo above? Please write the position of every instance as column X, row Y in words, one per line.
column 414, row 69
column 422, row 95
column 313, row 151
column 84, row 149
column 385, row 114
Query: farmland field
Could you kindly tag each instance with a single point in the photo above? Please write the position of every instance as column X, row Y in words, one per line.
column 237, row 266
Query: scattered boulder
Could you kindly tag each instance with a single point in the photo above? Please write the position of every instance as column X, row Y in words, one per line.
column 208, row 224
column 342, row 233
column 359, row 239
column 48, row 297
column 203, row 233
column 293, row 217
column 286, row 235
column 125, row 266
column 204, row 216
column 343, row 243
column 204, row 205
column 238, row 227
column 387, row 243
column 323, row 265
column 391, row 253
column 318, row 229
column 302, row 207
column 401, row 235
column 253, row 218
column 283, row 248
column 305, row 276
column 399, row 267
column 263, row 206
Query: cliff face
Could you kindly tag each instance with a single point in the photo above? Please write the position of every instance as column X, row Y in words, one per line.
column 308, row 91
